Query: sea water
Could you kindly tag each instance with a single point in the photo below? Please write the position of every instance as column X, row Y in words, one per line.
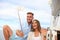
column 1, row 33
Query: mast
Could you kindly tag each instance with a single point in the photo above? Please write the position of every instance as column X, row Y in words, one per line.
column 20, row 20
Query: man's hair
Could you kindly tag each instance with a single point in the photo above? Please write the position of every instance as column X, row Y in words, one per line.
column 30, row 13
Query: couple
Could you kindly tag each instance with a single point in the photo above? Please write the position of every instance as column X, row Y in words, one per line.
column 32, row 30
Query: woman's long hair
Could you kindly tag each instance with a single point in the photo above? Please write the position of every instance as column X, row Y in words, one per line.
column 38, row 26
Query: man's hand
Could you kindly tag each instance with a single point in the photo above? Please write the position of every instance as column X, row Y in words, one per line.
column 19, row 33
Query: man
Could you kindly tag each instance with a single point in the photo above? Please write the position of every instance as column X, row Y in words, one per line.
column 26, row 29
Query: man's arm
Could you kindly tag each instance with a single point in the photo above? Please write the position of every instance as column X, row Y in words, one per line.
column 7, row 32
column 19, row 33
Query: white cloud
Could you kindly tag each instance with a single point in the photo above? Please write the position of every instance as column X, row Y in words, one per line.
column 37, row 4
column 9, row 9
column 43, row 16
column 6, row 5
column 7, row 13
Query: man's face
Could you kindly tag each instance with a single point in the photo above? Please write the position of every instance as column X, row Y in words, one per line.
column 29, row 18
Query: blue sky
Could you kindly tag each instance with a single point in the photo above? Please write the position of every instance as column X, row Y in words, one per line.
column 9, row 10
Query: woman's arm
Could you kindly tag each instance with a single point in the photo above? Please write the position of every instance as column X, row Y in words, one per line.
column 55, row 37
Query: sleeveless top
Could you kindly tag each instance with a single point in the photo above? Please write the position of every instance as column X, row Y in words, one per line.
column 32, row 37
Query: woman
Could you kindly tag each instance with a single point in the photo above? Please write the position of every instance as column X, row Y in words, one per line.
column 35, row 33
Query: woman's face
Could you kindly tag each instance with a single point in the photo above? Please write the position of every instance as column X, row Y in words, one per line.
column 34, row 25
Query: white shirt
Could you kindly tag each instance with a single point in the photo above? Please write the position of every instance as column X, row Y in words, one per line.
column 36, row 38
column 32, row 37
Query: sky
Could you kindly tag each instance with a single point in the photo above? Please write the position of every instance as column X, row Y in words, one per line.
column 9, row 12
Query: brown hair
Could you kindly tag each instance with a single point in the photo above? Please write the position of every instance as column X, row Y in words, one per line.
column 39, row 26
column 30, row 13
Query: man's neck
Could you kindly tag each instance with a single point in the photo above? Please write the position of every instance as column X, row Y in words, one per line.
column 29, row 23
